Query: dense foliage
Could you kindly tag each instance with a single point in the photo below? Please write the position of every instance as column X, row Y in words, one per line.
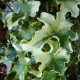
column 41, row 39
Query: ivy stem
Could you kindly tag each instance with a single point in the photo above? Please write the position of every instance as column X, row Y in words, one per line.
column 8, row 7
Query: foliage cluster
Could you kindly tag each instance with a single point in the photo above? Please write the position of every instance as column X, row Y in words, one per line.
column 39, row 37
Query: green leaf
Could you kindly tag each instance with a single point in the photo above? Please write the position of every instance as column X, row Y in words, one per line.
column 11, row 75
column 30, row 7
column 25, row 6
column 10, row 52
column 57, row 63
column 28, row 31
column 49, row 75
column 21, row 64
column 16, row 16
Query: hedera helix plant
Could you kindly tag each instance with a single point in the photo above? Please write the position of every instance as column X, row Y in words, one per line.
column 38, row 46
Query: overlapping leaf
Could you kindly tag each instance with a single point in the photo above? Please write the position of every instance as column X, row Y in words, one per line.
column 21, row 9
column 39, row 50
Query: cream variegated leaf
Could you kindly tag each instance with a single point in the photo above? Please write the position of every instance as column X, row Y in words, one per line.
column 69, row 6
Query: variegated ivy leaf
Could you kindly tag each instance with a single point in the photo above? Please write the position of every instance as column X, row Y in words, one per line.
column 69, row 6
column 61, row 23
column 21, row 66
column 58, row 61
column 27, row 7
column 47, row 18
column 60, row 27
column 37, row 47
column 56, row 24
column 25, row 31
column 23, row 9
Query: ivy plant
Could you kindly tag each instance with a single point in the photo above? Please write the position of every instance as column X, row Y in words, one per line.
column 38, row 42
